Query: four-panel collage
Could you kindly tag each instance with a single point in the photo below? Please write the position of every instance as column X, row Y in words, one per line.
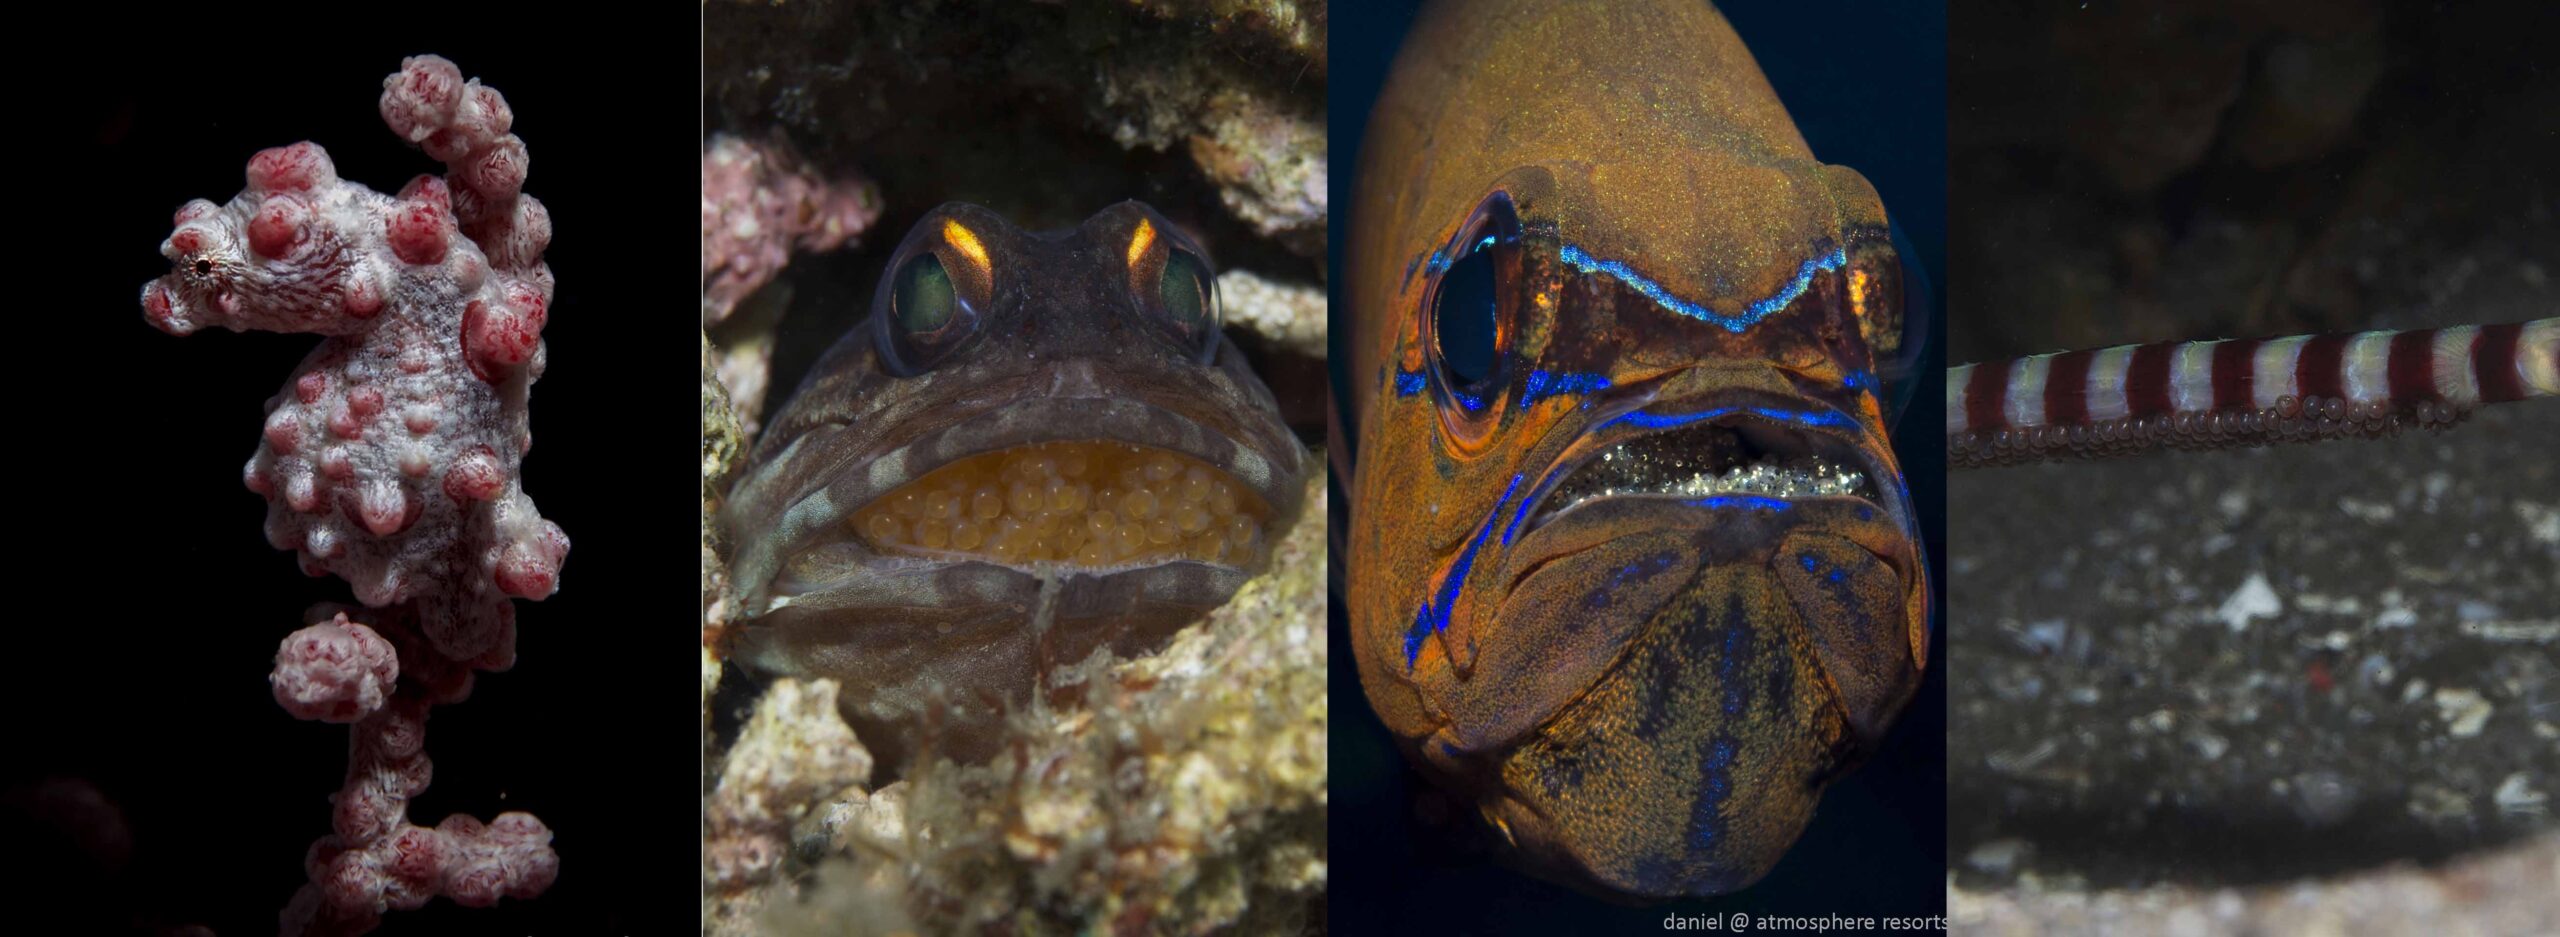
column 1611, row 466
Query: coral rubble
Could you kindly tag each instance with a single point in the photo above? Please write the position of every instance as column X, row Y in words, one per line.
column 1289, row 315
column 795, row 751
column 760, row 203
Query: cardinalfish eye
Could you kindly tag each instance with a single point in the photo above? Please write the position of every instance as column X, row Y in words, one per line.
column 1872, row 286
column 1462, row 326
column 1889, row 296
column 1894, row 299
column 1468, row 316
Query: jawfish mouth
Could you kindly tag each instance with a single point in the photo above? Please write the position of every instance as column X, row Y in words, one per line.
column 1735, row 456
column 1076, row 505
column 978, row 504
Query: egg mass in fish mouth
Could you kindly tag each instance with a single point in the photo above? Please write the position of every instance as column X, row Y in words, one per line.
column 1088, row 506
column 1737, row 456
column 1638, row 586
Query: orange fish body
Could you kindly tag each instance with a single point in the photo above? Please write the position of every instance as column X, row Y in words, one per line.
column 1631, row 566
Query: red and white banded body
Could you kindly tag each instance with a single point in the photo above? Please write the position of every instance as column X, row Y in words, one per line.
column 2241, row 392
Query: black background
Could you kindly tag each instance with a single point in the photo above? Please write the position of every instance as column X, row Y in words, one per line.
column 1866, row 84
column 151, row 605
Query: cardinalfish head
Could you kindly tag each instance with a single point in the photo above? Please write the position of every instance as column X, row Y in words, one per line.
column 1038, row 444
column 1632, row 561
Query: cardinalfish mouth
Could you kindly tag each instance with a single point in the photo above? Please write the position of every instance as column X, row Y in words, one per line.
column 1084, row 506
column 1749, row 457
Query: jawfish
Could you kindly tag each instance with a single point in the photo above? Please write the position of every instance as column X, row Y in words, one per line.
column 1632, row 566
column 1035, row 446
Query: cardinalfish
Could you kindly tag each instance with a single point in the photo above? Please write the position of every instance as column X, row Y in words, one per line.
column 1632, row 567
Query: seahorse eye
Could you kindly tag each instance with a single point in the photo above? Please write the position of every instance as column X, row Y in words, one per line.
column 923, row 298
column 204, row 268
column 1462, row 312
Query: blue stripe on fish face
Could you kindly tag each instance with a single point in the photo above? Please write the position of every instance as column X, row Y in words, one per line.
column 1433, row 617
column 1574, row 256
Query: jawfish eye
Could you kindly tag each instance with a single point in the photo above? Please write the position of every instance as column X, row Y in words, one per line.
column 929, row 299
column 1185, row 291
column 1170, row 282
column 923, row 298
